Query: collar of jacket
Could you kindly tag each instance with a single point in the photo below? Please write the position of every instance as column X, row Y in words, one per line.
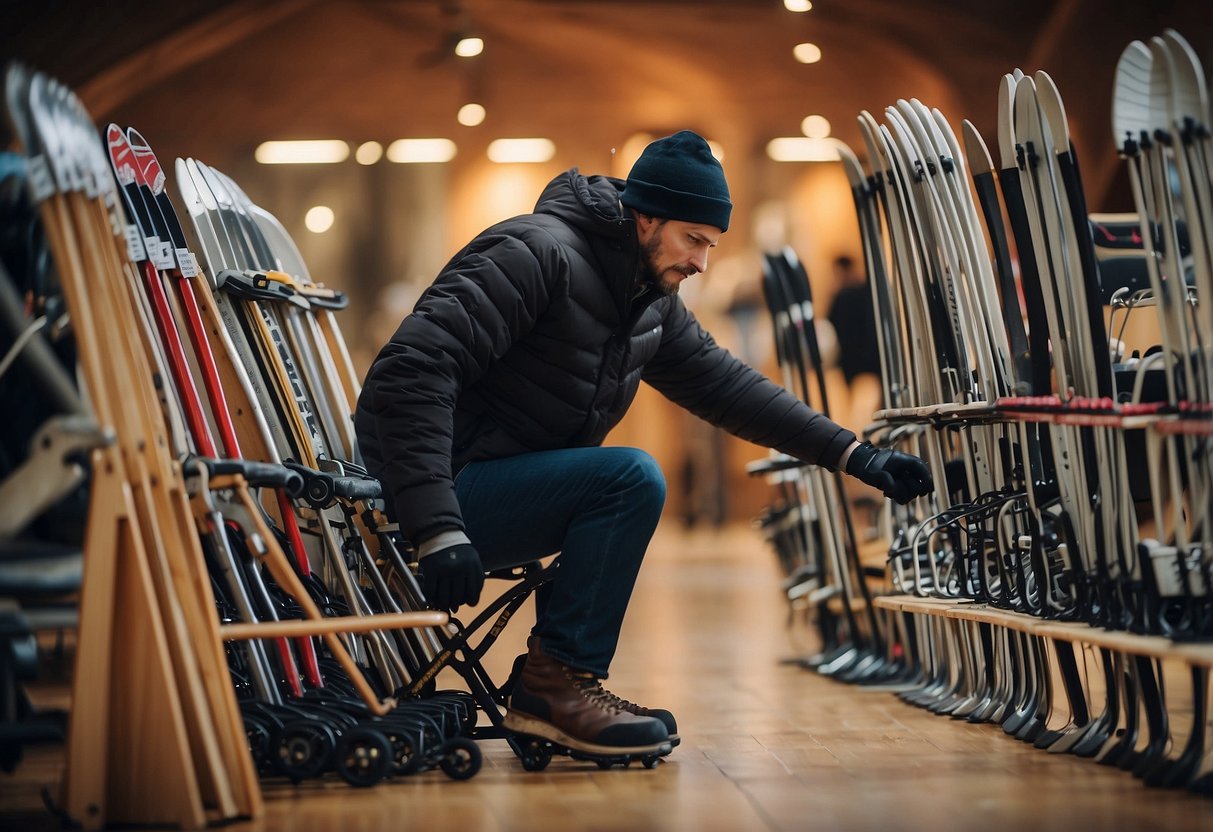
column 590, row 204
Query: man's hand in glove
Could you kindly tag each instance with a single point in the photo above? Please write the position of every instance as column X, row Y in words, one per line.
column 452, row 577
column 901, row 477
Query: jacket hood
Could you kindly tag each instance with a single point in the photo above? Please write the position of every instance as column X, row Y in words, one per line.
column 589, row 203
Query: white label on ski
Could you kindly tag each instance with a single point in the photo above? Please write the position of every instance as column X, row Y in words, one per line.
column 134, row 244
column 185, row 261
column 163, row 256
column 41, row 183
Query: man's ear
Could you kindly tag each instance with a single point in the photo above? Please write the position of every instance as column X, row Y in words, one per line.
column 645, row 225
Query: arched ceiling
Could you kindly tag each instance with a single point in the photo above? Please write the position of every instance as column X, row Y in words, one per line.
column 215, row 78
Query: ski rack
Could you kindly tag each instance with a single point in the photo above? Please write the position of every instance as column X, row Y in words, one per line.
column 182, row 552
column 1075, row 507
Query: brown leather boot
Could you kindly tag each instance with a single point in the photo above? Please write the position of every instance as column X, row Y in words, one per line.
column 667, row 718
column 569, row 707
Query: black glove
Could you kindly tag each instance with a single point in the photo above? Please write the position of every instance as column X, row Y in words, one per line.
column 901, row 477
column 452, row 577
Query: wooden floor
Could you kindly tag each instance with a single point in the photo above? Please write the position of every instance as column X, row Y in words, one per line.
column 766, row 745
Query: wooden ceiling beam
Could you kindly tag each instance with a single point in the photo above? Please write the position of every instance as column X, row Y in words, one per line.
column 184, row 48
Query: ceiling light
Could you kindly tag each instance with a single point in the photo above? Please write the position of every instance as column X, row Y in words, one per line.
column 470, row 115
column 505, row 151
column 469, row 47
column 421, row 151
column 797, row 5
column 815, row 127
column 318, row 219
column 368, row 153
column 312, row 152
column 802, row 149
column 807, row 53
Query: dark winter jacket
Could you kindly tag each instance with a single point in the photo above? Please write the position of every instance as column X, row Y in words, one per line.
column 534, row 337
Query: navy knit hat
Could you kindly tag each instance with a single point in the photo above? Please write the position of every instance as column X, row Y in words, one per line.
column 677, row 178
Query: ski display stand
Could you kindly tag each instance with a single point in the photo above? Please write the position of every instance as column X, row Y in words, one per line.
column 1065, row 556
column 817, row 546
column 245, row 612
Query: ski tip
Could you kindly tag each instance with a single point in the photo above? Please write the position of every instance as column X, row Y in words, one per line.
column 975, row 149
column 16, row 93
column 1131, row 96
column 1053, row 110
column 1006, row 121
column 1161, row 89
column 850, row 164
column 1189, row 93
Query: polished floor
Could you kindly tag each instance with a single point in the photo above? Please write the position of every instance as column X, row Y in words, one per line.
column 766, row 745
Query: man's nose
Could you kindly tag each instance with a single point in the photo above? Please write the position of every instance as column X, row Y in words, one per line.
column 699, row 261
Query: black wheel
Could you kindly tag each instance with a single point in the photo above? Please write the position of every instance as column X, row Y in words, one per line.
column 461, row 759
column 303, row 749
column 535, row 757
column 604, row 764
column 405, row 757
column 650, row 760
column 364, row 757
column 259, row 733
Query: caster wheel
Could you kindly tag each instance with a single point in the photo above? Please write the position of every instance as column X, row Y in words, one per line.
column 260, row 741
column 364, row 757
column 535, row 757
column 405, row 759
column 461, row 759
column 302, row 749
column 650, row 760
column 604, row 764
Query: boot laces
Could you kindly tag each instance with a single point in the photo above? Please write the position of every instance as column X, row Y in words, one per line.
column 625, row 705
column 591, row 688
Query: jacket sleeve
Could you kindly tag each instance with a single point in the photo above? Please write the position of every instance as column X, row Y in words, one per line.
column 692, row 370
column 486, row 298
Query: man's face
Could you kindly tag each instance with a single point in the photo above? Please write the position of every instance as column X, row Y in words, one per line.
column 673, row 250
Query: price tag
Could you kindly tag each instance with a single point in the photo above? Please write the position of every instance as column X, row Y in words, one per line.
column 162, row 256
column 187, row 263
column 134, row 244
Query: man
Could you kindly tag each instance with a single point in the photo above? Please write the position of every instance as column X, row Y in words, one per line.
column 484, row 414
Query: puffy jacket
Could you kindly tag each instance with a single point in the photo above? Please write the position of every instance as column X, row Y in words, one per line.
column 536, row 337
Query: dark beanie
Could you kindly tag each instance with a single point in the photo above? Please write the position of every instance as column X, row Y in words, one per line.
column 678, row 178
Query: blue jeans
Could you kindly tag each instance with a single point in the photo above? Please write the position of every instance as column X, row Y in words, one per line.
column 597, row 507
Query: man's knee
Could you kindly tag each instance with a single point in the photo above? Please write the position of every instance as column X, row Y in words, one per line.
column 641, row 474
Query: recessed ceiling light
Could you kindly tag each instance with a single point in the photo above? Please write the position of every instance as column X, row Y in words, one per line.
column 815, row 126
column 421, row 151
column 470, row 115
column 307, row 152
column 506, row 151
column 802, row 149
column 318, row 219
column 797, row 5
column 368, row 153
column 807, row 53
column 469, row 47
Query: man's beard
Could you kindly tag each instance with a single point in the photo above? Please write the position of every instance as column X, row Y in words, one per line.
column 649, row 275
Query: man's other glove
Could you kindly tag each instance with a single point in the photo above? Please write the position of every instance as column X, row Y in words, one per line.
column 901, row 477
column 452, row 577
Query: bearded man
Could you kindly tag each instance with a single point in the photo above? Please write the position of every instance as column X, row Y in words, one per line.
column 485, row 413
